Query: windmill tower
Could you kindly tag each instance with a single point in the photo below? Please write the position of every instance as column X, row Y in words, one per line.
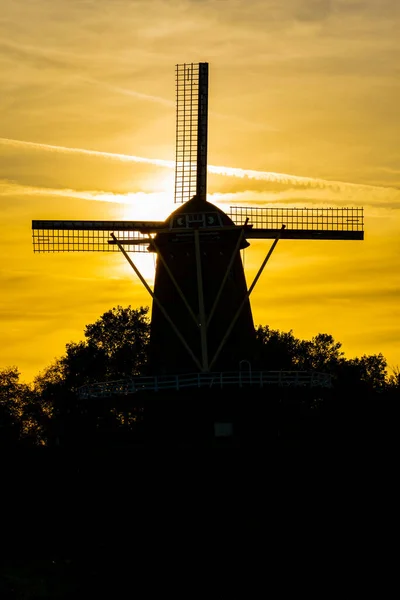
column 201, row 315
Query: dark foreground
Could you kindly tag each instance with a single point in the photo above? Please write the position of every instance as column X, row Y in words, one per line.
column 86, row 521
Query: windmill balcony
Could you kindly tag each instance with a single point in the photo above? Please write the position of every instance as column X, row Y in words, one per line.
column 223, row 379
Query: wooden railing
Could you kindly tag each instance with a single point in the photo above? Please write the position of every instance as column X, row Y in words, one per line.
column 206, row 380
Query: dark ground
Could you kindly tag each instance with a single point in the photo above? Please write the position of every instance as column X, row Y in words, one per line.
column 89, row 524
column 112, row 522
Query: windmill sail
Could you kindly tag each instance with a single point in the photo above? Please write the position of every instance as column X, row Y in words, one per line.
column 191, row 131
column 201, row 314
column 92, row 236
column 300, row 223
column 261, row 223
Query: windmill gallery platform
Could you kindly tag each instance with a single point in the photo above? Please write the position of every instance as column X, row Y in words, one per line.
column 202, row 333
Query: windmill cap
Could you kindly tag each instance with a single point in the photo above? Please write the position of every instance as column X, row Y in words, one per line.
column 200, row 206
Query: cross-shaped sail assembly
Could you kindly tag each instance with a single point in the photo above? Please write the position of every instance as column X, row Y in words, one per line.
column 201, row 314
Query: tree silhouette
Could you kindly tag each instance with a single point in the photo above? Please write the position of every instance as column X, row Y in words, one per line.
column 122, row 334
column 115, row 347
column 276, row 350
column 22, row 416
column 10, row 406
column 321, row 353
column 82, row 437
column 394, row 378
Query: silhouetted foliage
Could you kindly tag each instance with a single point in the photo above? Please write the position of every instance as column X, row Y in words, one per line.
column 321, row 353
column 115, row 347
column 22, row 416
column 276, row 350
column 10, row 425
column 394, row 378
column 82, row 441
column 365, row 373
column 122, row 335
column 282, row 350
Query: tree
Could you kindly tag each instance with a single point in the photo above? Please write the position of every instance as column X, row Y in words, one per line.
column 21, row 416
column 10, row 425
column 321, row 353
column 115, row 348
column 276, row 350
column 122, row 335
column 371, row 370
column 394, row 379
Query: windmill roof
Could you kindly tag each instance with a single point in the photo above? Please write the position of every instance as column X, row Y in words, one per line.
column 199, row 205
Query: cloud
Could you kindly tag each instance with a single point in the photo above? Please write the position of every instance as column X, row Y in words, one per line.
column 313, row 10
column 218, row 170
column 106, row 155
column 340, row 192
column 31, row 55
column 10, row 188
column 299, row 86
column 129, row 92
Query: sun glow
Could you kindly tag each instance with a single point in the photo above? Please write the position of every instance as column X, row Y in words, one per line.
column 145, row 262
column 156, row 205
column 144, row 206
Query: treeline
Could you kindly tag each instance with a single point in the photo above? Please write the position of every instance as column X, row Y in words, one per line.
column 48, row 412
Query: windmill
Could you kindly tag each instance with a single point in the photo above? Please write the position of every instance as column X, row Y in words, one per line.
column 201, row 320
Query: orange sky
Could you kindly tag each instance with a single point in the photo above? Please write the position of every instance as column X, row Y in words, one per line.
column 306, row 88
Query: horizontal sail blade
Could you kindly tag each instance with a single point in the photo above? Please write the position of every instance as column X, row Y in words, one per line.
column 142, row 226
column 300, row 223
column 92, row 236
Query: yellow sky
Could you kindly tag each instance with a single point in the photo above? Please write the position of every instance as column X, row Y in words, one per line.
column 304, row 108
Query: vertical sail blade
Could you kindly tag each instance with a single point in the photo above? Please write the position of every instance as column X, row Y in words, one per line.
column 191, row 131
column 202, row 128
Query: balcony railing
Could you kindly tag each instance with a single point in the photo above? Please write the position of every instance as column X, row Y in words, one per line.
column 221, row 380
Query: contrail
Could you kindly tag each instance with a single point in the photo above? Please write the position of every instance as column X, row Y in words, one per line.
column 143, row 201
column 166, row 102
column 67, row 150
column 283, row 178
column 10, row 188
column 127, row 92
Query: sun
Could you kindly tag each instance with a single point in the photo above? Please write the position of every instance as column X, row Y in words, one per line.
column 152, row 205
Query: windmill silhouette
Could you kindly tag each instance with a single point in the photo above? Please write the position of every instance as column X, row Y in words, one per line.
column 201, row 320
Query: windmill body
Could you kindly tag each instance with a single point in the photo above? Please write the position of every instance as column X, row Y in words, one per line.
column 201, row 315
column 202, row 254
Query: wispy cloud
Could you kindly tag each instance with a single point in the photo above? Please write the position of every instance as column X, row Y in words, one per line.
column 67, row 150
column 248, row 123
column 251, row 174
column 128, row 92
column 144, row 203
column 11, row 188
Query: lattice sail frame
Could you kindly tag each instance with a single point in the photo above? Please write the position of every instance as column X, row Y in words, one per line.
column 191, row 131
column 260, row 222
column 301, row 223
column 89, row 236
